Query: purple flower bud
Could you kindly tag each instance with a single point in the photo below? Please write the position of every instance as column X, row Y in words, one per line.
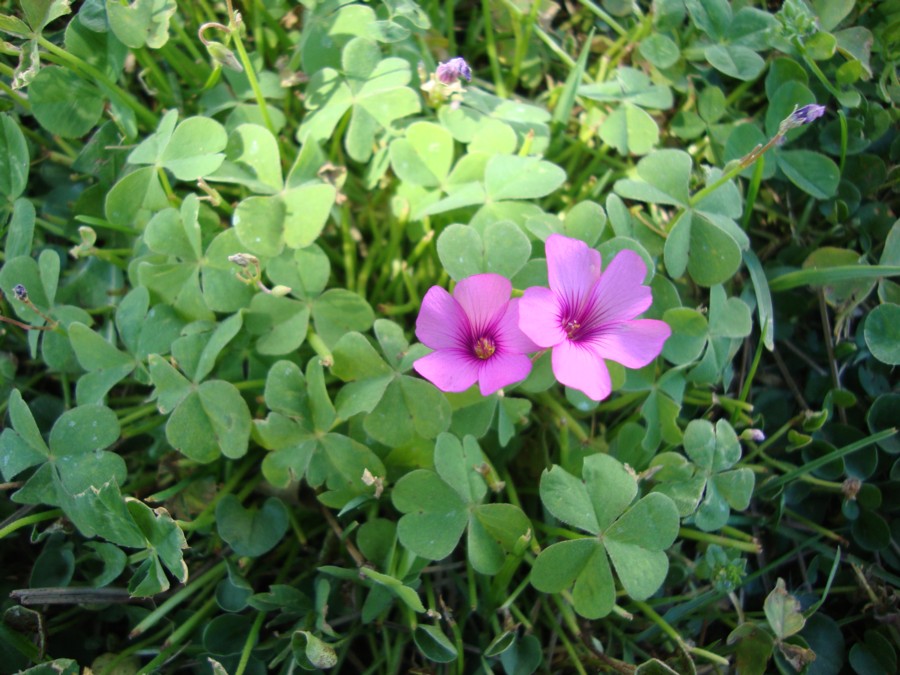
column 800, row 116
column 452, row 70
column 807, row 114
column 21, row 292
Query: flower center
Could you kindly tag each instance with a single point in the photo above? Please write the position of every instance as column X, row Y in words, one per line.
column 572, row 327
column 484, row 348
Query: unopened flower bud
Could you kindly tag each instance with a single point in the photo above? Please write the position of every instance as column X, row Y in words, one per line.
column 755, row 435
column 88, row 235
column 240, row 259
column 223, row 56
column 280, row 291
column 801, row 116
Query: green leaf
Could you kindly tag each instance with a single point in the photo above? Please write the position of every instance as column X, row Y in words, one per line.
column 495, row 530
column 735, row 60
column 162, row 536
column 20, row 232
column 689, row 332
column 285, row 390
column 22, row 446
column 434, row 644
column 584, row 563
column 709, row 253
column 143, row 22
column 191, row 150
column 660, row 50
column 39, row 13
column 502, row 248
column 280, row 323
column 410, row 407
column 630, row 130
column 223, row 334
column 251, row 532
column 63, row 103
column 812, row 172
column 567, row 499
column 435, row 515
column 515, row 177
column 457, row 463
column 783, row 612
column 665, row 178
column 424, row 156
column 253, row 160
column 630, row 85
column 106, row 364
column 409, row 597
column 135, row 197
column 728, row 317
column 636, row 543
column 14, row 161
column 306, row 211
column 211, row 420
column 311, row 653
column 171, row 386
column 882, row 333
column 338, row 311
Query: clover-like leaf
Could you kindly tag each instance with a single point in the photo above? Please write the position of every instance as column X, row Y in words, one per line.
column 106, row 365
column 714, row 451
column 440, row 506
column 783, row 612
column 251, row 532
column 375, row 91
column 191, row 150
column 212, row 420
column 398, row 407
column 501, row 248
column 634, row 537
column 143, row 22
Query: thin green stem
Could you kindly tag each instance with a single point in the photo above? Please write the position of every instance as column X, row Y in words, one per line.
column 251, row 74
column 250, row 643
column 33, row 519
column 706, row 537
column 491, row 46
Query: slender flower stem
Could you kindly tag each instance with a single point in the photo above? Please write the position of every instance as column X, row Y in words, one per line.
column 491, row 46
column 696, row 535
column 248, row 69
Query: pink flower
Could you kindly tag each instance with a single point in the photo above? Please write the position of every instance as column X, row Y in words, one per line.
column 474, row 334
column 587, row 317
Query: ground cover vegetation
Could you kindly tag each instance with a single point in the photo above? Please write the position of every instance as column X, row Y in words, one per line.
column 449, row 337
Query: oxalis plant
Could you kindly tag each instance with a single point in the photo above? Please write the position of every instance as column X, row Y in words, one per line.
column 449, row 337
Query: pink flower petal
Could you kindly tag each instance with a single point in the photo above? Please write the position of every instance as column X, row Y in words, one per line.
column 539, row 317
column 634, row 344
column 572, row 267
column 621, row 295
column 482, row 297
column 448, row 370
column 502, row 369
column 578, row 366
column 509, row 335
column 441, row 323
